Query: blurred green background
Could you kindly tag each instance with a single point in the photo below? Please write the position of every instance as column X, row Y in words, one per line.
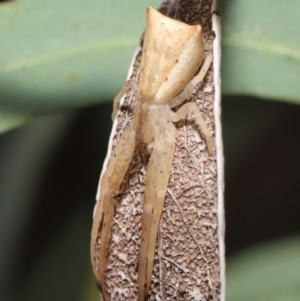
column 61, row 63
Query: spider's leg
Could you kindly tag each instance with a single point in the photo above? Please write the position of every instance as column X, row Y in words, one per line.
column 130, row 84
column 189, row 109
column 111, row 180
column 157, row 179
column 118, row 97
column 193, row 83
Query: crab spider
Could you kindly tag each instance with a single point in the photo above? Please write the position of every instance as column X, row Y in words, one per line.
column 173, row 51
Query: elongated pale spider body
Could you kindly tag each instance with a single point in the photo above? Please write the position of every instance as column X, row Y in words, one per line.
column 172, row 53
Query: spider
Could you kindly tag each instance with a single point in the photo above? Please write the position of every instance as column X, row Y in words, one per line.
column 172, row 53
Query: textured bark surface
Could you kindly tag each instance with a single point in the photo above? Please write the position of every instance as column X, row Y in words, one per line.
column 187, row 261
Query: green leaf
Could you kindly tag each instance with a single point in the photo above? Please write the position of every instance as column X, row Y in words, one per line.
column 60, row 55
column 56, row 55
column 9, row 119
column 266, row 273
column 261, row 49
